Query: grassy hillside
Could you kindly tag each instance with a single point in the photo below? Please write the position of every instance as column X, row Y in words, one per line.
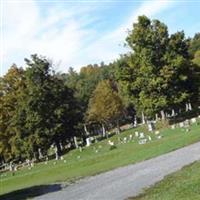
column 98, row 158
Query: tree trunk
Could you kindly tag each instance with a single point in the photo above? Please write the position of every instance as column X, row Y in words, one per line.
column 75, row 142
column 58, row 148
column 189, row 106
column 157, row 118
column 143, row 118
column 162, row 114
column 173, row 113
column 85, row 128
column 103, row 131
column 186, row 107
column 118, row 127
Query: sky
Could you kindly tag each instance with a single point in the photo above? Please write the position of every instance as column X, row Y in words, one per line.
column 80, row 32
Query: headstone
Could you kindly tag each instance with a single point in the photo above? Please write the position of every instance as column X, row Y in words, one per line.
column 141, row 135
column 125, row 139
column 193, row 120
column 187, row 123
column 181, row 124
column 149, row 137
column 159, row 136
column 32, row 164
column 130, row 136
column 88, row 142
column 173, row 126
column 136, row 134
column 143, row 141
column 157, row 132
column 150, row 126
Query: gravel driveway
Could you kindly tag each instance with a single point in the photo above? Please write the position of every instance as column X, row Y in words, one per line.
column 127, row 181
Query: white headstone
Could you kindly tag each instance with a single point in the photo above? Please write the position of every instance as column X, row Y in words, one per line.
column 88, row 142
column 130, row 136
column 157, row 132
column 141, row 135
column 150, row 128
column 143, row 141
column 181, row 124
column 193, row 120
column 173, row 126
column 159, row 137
column 136, row 134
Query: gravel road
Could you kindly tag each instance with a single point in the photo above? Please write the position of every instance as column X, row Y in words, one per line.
column 124, row 182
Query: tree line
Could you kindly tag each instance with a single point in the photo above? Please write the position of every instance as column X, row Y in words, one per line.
column 39, row 107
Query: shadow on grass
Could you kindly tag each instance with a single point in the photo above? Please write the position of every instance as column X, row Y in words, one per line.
column 31, row 192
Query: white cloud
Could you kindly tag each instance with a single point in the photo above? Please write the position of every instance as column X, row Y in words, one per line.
column 62, row 33
column 57, row 35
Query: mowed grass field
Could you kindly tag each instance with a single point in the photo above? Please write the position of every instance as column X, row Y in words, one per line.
column 98, row 158
column 181, row 185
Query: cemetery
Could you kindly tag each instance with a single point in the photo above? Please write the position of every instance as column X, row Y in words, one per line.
column 110, row 108
column 128, row 147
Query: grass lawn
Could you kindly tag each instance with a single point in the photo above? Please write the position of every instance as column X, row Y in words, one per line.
column 181, row 185
column 89, row 162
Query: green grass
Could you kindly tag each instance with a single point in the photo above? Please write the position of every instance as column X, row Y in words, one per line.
column 181, row 185
column 91, row 163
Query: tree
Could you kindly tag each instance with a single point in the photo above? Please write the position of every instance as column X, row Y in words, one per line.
column 194, row 44
column 196, row 59
column 11, row 86
column 158, row 74
column 47, row 112
column 105, row 105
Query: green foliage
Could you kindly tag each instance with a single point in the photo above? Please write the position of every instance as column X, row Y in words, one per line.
column 158, row 75
column 194, row 44
column 40, row 111
column 196, row 59
column 105, row 105
column 11, row 86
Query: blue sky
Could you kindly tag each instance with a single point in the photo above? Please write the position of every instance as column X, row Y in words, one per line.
column 77, row 33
